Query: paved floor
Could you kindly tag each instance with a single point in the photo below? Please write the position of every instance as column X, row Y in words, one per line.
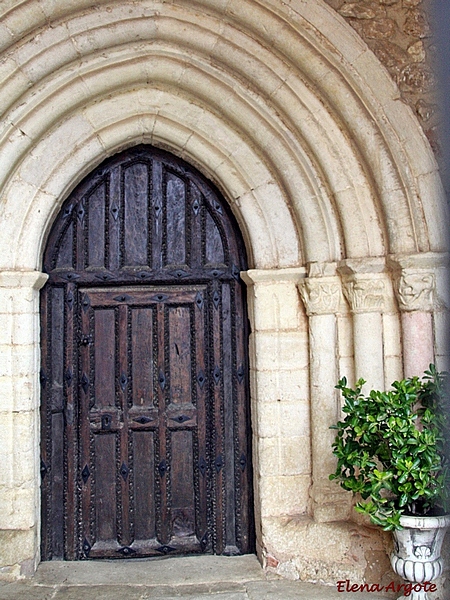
column 186, row 578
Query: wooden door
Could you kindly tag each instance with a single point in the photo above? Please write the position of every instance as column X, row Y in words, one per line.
column 145, row 420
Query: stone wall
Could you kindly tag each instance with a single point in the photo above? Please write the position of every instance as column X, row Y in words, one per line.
column 399, row 33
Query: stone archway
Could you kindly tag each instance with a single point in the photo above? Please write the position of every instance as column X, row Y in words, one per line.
column 328, row 175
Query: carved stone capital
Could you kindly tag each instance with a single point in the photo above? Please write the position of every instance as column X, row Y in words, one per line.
column 366, row 294
column 415, row 290
column 321, row 295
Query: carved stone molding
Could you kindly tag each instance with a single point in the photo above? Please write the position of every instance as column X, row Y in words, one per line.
column 421, row 281
column 366, row 294
column 321, row 296
column 22, row 279
column 415, row 290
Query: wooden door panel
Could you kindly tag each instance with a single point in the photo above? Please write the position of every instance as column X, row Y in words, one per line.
column 132, row 386
column 145, row 422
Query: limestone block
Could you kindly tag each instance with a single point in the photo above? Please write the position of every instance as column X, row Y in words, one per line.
column 23, row 18
column 6, row 327
column 269, row 456
column 286, row 350
column 295, row 455
column 25, row 396
column 268, row 420
column 18, row 508
column 116, row 107
column 286, row 495
column 6, row 37
column 13, row 81
column 165, row 128
column 6, row 393
column 23, row 329
column 46, row 52
column 281, row 386
column 250, row 163
column 66, row 173
column 6, row 427
column 294, row 419
column 233, row 181
column 41, row 161
column 436, row 210
column 24, row 458
column 358, row 245
column 18, row 545
column 276, row 306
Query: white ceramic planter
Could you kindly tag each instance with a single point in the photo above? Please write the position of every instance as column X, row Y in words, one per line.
column 417, row 551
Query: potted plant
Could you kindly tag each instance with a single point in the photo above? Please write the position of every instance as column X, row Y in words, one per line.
column 392, row 451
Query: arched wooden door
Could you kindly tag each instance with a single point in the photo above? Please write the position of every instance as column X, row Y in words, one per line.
column 145, row 417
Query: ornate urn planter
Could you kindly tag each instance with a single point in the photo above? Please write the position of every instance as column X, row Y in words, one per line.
column 417, row 551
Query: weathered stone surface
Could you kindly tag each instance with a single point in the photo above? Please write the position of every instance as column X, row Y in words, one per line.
column 379, row 29
column 360, row 10
column 417, row 51
column 391, row 55
column 416, row 78
column 395, row 30
column 416, row 24
column 425, row 110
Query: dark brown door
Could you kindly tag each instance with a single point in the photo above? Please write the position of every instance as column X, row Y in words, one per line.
column 145, row 421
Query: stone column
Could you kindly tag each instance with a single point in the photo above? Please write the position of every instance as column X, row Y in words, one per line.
column 19, row 421
column 421, row 286
column 368, row 290
column 323, row 300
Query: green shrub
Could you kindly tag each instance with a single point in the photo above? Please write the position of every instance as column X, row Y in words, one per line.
column 391, row 448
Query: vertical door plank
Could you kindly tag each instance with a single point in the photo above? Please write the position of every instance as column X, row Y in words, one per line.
column 175, row 220
column 57, row 420
column 214, row 245
column 196, row 208
column 64, row 258
column 244, row 450
column 114, row 218
column 182, row 488
column 136, row 187
column 229, row 424
column 70, row 421
column 95, row 209
column 105, row 487
column 202, row 447
column 180, row 346
column 104, row 358
column 157, row 212
column 216, row 390
column 46, row 439
column 142, row 353
column 163, row 478
column 86, row 466
column 125, row 530
column 143, row 486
